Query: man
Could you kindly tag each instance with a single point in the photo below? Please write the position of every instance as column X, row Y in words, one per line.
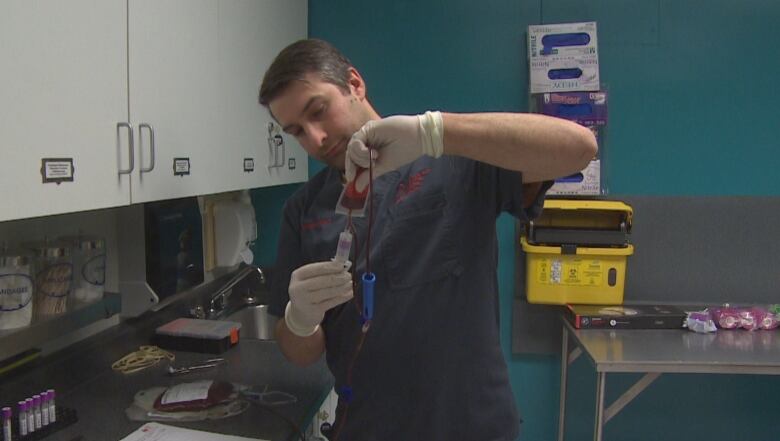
column 429, row 366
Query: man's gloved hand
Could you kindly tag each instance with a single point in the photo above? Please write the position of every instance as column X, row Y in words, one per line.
column 314, row 289
column 394, row 141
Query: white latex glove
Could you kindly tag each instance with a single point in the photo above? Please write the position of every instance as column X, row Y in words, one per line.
column 395, row 141
column 314, row 289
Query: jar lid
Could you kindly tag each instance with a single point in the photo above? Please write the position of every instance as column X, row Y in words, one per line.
column 85, row 242
column 15, row 257
column 56, row 248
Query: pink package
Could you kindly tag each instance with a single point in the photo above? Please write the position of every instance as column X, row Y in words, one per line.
column 750, row 318
column 726, row 317
column 768, row 319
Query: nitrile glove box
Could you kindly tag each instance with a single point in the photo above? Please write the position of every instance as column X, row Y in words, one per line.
column 563, row 39
column 585, row 183
column 564, row 74
column 563, row 57
column 588, row 109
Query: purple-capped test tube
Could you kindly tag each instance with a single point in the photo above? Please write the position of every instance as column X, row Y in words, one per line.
column 37, row 412
column 44, row 409
column 52, row 407
column 7, row 423
column 30, row 415
column 22, row 418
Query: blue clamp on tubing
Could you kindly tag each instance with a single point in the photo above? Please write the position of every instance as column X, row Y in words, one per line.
column 368, row 296
column 345, row 393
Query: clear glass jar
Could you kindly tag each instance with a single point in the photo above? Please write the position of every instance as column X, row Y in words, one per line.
column 53, row 279
column 89, row 267
column 16, row 289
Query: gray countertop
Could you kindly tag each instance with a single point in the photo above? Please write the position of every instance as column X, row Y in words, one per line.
column 84, row 381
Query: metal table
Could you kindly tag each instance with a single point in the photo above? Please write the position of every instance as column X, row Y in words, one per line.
column 657, row 351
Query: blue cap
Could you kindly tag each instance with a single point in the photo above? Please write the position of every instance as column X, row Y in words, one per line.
column 345, row 393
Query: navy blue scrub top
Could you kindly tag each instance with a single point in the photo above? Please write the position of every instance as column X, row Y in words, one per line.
column 431, row 366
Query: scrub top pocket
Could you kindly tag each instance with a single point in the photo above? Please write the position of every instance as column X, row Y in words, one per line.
column 419, row 241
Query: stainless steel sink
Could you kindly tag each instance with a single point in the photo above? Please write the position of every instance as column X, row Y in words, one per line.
column 256, row 322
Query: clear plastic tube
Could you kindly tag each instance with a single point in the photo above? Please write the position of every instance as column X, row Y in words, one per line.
column 7, row 423
column 344, row 247
column 22, row 418
column 30, row 415
column 52, row 407
column 37, row 412
column 44, row 409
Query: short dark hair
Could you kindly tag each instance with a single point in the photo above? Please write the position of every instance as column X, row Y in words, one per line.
column 301, row 58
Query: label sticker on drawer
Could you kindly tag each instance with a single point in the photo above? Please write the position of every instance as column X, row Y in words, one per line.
column 57, row 170
column 249, row 165
column 181, row 166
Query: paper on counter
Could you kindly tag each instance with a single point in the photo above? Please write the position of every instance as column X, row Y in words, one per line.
column 161, row 432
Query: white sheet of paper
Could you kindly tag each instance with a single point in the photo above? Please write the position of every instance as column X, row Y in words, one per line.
column 162, row 432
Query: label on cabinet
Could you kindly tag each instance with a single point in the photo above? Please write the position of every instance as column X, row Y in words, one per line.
column 249, row 165
column 57, row 170
column 291, row 163
column 181, row 166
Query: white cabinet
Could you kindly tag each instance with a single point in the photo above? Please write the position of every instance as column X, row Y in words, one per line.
column 63, row 89
column 184, row 74
column 251, row 34
column 173, row 88
column 195, row 72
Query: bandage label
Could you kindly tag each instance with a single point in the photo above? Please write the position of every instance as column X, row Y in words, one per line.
column 575, row 272
column 181, row 166
column 57, row 170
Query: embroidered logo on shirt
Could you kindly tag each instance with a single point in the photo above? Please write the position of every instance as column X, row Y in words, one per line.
column 409, row 187
column 316, row 223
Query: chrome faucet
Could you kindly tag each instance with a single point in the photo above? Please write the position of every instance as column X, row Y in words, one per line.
column 220, row 299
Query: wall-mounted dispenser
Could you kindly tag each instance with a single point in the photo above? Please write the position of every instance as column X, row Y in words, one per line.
column 235, row 230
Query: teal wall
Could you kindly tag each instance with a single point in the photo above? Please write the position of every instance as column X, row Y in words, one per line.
column 692, row 102
column 694, row 92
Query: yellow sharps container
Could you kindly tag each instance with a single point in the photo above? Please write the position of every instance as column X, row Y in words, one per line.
column 576, row 252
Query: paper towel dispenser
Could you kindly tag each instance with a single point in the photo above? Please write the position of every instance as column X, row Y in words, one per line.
column 235, row 230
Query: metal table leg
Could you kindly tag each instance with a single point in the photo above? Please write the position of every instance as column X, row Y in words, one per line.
column 564, row 377
column 599, row 426
column 629, row 395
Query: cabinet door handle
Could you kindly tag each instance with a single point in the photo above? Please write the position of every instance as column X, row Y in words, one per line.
column 151, row 146
column 284, row 156
column 275, row 143
column 131, row 166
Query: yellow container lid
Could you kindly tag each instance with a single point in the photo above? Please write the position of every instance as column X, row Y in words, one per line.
column 588, row 204
column 580, row 251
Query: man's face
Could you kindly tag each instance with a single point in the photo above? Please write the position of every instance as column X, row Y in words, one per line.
column 321, row 116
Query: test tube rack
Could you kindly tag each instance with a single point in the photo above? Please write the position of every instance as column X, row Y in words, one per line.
column 65, row 417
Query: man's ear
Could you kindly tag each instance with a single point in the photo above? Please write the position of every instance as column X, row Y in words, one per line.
column 356, row 84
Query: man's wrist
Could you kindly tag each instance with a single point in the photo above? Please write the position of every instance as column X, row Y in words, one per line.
column 432, row 130
column 301, row 330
